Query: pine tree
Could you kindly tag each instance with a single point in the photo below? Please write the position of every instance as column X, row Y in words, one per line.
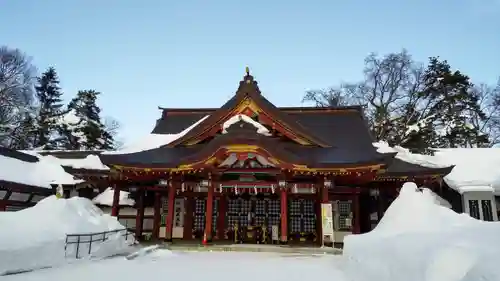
column 49, row 96
column 86, row 131
column 451, row 104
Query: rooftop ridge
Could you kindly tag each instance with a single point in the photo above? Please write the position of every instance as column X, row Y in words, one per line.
column 284, row 108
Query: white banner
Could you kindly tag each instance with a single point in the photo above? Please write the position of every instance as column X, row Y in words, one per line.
column 327, row 222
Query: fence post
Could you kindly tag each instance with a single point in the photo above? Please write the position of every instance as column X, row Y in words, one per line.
column 90, row 243
column 77, row 246
column 66, row 247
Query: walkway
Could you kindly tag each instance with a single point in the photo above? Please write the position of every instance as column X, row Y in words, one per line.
column 180, row 246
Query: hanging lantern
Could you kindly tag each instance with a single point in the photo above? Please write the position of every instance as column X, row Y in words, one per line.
column 220, row 188
column 183, row 187
column 328, row 184
column 295, row 189
column 272, row 188
column 282, row 184
column 255, row 189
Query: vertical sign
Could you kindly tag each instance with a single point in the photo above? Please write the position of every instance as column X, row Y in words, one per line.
column 327, row 222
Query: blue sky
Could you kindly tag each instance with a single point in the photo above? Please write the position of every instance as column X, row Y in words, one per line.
column 145, row 54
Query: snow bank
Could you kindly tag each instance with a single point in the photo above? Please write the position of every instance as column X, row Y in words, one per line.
column 153, row 141
column 106, row 198
column 43, row 173
column 419, row 240
column 35, row 237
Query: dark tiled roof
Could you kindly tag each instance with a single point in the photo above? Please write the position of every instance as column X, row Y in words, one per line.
column 244, row 133
column 399, row 168
column 342, row 134
column 249, row 88
column 176, row 123
column 164, row 157
column 18, row 155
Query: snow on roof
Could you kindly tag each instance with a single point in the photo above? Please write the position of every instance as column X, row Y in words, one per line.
column 91, row 162
column 405, row 155
column 241, row 117
column 106, row 198
column 476, row 169
column 153, row 141
column 43, row 173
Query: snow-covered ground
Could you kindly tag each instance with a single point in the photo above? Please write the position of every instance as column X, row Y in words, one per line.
column 416, row 240
column 213, row 266
column 36, row 237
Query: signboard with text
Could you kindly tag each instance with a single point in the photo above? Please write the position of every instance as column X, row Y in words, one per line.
column 327, row 222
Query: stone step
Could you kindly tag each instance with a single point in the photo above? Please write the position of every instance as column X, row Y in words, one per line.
column 256, row 248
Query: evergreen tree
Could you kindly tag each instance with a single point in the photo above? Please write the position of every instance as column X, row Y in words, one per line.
column 49, row 96
column 452, row 103
column 86, row 130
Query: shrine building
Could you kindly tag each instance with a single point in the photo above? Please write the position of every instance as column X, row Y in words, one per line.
column 252, row 172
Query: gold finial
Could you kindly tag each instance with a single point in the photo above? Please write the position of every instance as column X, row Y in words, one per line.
column 247, row 70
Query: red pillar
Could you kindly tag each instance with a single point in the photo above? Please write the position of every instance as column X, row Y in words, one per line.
column 324, row 194
column 115, row 209
column 156, row 216
column 356, row 213
column 169, row 223
column 139, row 219
column 209, row 212
column 323, row 198
column 284, row 216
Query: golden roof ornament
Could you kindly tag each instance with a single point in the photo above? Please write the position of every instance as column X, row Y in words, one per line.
column 247, row 70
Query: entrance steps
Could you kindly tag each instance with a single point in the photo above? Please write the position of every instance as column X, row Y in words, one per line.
column 254, row 248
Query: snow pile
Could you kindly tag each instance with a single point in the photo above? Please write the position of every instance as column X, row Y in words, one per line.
column 106, row 198
column 153, row 141
column 241, row 117
column 36, row 237
column 418, row 240
column 43, row 173
column 91, row 162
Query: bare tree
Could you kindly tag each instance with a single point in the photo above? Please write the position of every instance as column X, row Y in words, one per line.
column 329, row 97
column 489, row 101
column 389, row 82
column 112, row 127
column 17, row 76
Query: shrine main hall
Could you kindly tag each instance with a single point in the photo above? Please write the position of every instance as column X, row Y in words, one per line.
column 252, row 172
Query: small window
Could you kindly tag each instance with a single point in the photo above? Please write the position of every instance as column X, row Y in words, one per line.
column 487, row 210
column 474, row 209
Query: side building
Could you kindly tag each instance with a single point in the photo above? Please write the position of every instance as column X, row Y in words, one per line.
column 26, row 178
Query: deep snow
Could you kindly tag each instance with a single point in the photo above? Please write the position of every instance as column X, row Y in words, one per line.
column 416, row 240
column 419, row 240
column 35, row 237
